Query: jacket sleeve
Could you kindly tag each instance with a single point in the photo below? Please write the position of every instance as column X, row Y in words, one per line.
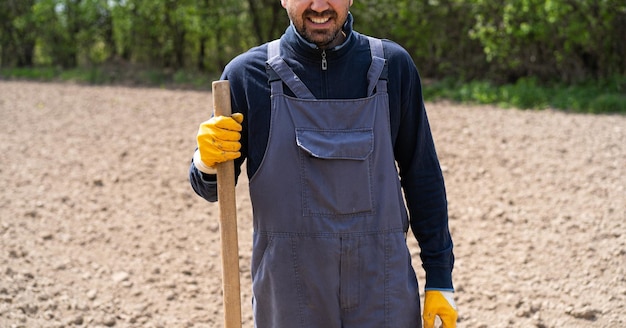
column 420, row 172
column 425, row 194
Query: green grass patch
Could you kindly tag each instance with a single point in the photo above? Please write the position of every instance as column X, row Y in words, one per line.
column 591, row 97
column 37, row 73
column 115, row 75
column 93, row 75
column 607, row 96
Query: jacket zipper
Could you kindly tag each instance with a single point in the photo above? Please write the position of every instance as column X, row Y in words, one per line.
column 324, row 62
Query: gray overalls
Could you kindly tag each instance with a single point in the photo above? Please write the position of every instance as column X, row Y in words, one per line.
column 329, row 218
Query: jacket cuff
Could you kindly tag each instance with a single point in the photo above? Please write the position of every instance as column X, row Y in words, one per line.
column 439, row 278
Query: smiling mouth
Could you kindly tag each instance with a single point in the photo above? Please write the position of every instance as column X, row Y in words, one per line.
column 319, row 20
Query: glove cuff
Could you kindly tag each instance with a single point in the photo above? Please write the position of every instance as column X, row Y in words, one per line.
column 449, row 296
column 199, row 164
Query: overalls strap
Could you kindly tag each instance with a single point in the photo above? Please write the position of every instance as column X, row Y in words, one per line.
column 377, row 73
column 278, row 66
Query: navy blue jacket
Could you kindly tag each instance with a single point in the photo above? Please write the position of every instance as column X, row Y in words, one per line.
column 345, row 78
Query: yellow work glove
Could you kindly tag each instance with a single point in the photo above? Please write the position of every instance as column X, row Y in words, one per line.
column 218, row 141
column 441, row 304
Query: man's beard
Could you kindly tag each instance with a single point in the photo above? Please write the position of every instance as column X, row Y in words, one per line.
column 314, row 36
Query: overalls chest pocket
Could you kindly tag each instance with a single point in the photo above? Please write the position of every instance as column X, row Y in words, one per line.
column 335, row 171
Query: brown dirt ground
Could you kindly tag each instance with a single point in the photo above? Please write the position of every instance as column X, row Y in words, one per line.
column 99, row 226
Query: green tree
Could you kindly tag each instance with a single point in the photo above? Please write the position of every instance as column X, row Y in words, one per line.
column 17, row 37
column 568, row 40
column 501, row 41
column 71, row 32
column 434, row 32
column 268, row 19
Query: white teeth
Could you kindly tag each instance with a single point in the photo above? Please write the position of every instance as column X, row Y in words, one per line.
column 319, row 20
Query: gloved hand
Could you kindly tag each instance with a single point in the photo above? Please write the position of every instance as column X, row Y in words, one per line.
column 218, row 140
column 439, row 303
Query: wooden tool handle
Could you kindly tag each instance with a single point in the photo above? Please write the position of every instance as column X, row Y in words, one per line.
column 228, row 219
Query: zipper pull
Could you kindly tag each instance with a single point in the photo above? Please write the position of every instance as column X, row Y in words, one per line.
column 324, row 62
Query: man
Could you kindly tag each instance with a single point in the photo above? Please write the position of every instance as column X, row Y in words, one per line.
column 322, row 117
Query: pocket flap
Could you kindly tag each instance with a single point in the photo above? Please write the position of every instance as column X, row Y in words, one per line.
column 336, row 144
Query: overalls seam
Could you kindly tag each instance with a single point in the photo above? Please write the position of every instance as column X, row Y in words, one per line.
column 296, row 270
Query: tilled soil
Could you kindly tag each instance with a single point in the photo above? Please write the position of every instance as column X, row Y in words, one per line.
column 100, row 228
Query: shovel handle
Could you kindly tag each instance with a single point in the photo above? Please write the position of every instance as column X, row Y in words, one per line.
column 228, row 219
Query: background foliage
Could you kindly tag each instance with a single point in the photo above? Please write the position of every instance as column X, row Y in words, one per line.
column 506, row 42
